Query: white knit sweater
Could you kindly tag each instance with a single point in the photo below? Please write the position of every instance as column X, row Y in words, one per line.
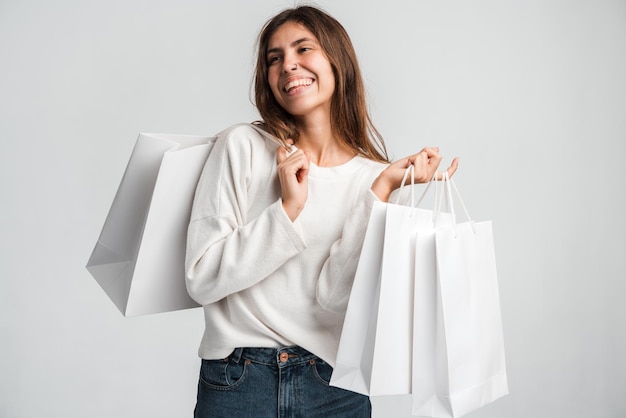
column 263, row 280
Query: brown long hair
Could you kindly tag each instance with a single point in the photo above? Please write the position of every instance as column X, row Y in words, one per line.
column 350, row 119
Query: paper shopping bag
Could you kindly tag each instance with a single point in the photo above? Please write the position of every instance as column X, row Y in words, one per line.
column 458, row 351
column 374, row 355
column 353, row 368
column 392, row 359
column 139, row 257
column 374, row 349
column 396, row 305
column 391, row 366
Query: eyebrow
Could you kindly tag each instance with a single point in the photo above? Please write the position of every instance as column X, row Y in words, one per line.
column 294, row 43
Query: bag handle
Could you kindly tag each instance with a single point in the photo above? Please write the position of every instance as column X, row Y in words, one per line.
column 441, row 196
column 290, row 149
column 409, row 170
column 452, row 185
column 449, row 185
column 438, row 195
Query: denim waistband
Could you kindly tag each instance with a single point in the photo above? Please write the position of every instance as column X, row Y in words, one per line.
column 273, row 356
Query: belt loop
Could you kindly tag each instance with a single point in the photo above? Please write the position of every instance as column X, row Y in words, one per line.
column 236, row 355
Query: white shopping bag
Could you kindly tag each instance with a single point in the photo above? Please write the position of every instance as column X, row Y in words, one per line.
column 458, row 348
column 392, row 358
column 396, row 306
column 353, row 368
column 139, row 257
column 374, row 356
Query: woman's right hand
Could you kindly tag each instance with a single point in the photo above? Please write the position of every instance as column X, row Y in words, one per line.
column 293, row 174
column 425, row 165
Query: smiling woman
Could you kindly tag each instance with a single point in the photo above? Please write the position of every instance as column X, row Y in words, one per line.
column 276, row 230
column 300, row 75
column 349, row 116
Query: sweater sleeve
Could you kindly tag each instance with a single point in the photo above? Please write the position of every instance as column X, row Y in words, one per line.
column 337, row 275
column 227, row 247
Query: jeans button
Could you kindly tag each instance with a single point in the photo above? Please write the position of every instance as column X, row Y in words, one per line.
column 283, row 357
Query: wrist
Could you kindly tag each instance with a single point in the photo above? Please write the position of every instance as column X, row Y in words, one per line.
column 382, row 188
column 292, row 211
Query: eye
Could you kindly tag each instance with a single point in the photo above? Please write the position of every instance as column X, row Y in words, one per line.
column 272, row 59
column 304, row 49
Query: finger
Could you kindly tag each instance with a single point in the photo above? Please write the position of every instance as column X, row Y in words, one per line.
column 453, row 167
column 403, row 163
column 451, row 170
column 291, row 151
column 430, row 158
column 302, row 174
column 422, row 172
column 433, row 155
column 292, row 164
column 303, row 171
column 432, row 151
column 419, row 158
column 281, row 154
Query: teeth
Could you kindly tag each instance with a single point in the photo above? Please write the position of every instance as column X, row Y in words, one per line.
column 299, row 82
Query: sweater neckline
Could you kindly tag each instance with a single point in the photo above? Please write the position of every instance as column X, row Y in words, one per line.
column 346, row 168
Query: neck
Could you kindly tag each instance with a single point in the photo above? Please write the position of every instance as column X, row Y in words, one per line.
column 323, row 147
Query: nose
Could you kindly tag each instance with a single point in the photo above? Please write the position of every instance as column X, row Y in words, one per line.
column 289, row 64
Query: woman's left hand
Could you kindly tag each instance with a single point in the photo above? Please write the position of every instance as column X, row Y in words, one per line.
column 425, row 165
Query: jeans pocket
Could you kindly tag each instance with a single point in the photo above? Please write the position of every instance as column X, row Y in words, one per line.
column 223, row 374
column 322, row 370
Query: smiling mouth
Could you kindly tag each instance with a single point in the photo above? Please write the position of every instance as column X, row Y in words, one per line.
column 301, row 82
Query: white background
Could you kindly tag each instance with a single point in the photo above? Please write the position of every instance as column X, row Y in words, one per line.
column 530, row 94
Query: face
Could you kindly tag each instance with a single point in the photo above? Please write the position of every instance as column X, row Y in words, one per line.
column 299, row 74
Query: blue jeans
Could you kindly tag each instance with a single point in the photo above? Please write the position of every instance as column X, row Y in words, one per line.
column 277, row 383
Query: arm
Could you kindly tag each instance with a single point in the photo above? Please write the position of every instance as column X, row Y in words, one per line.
column 227, row 247
column 337, row 275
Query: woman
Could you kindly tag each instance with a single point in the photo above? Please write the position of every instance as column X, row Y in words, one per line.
column 276, row 230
